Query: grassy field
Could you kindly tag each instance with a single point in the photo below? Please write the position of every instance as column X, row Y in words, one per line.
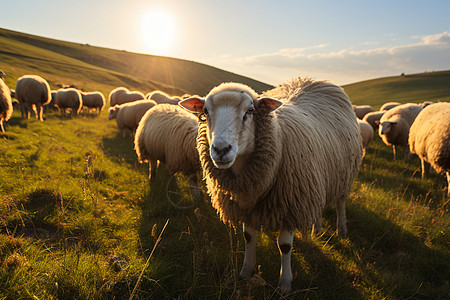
column 78, row 219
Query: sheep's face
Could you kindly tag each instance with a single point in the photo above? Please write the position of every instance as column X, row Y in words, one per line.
column 113, row 112
column 386, row 127
column 231, row 128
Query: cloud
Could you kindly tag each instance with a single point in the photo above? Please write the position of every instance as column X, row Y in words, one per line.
column 423, row 53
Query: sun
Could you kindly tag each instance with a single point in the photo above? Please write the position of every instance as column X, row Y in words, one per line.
column 158, row 32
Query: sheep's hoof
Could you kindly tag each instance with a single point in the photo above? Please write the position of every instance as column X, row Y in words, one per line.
column 245, row 274
column 284, row 287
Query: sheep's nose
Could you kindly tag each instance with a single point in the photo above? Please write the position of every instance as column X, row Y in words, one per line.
column 222, row 151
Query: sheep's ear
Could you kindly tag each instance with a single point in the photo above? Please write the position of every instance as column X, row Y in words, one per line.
column 193, row 104
column 267, row 104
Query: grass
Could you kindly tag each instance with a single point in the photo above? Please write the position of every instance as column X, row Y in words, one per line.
column 73, row 195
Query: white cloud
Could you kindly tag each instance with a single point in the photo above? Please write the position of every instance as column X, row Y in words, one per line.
column 424, row 53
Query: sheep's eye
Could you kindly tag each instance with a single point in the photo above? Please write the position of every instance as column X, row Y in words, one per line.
column 250, row 111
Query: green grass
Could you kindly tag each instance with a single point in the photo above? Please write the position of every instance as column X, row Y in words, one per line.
column 73, row 195
column 415, row 88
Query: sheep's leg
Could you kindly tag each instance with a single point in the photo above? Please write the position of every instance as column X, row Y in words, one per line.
column 408, row 154
column 1, row 126
column 341, row 219
column 448, row 180
column 318, row 226
column 425, row 168
column 39, row 110
column 250, row 252
column 193, row 186
column 395, row 152
column 285, row 240
column 152, row 165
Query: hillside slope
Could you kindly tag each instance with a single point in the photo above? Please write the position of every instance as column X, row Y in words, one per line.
column 23, row 53
column 433, row 86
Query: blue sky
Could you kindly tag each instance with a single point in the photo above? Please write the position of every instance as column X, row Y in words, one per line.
column 342, row 41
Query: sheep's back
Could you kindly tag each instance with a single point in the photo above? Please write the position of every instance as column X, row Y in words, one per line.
column 321, row 154
column 33, row 89
column 5, row 102
column 168, row 133
column 69, row 98
column 429, row 136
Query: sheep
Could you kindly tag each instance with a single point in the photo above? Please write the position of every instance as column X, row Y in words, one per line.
column 122, row 95
column 389, row 105
column 373, row 117
column 362, row 110
column 6, row 107
column 167, row 134
column 276, row 164
column 129, row 115
column 69, row 98
column 32, row 90
column 394, row 126
column 429, row 138
column 51, row 104
column 426, row 103
column 161, row 97
column 366, row 131
column 94, row 100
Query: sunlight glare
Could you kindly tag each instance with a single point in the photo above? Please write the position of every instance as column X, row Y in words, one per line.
column 158, row 32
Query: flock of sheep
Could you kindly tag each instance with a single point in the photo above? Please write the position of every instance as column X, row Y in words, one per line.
column 274, row 160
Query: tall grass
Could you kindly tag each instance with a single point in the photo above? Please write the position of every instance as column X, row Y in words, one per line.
column 79, row 220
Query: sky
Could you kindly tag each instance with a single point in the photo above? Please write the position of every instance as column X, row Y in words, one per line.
column 343, row 41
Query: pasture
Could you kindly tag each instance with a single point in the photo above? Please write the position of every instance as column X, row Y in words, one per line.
column 74, row 195
column 78, row 219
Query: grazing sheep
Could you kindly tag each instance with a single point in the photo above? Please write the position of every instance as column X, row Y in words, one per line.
column 94, row 100
column 167, row 133
column 69, row 98
column 373, row 117
column 277, row 164
column 429, row 138
column 362, row 110
column 122, row 95
column 32, row 90
column 161, row 97
column 6, row 107
column 389, row 105
column 129, row 115
column 395, row 124
column 426, row 103
column 366, row 133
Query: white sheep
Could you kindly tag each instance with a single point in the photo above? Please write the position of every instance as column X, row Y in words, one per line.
column 389, row 105
column 167, row 134
column 394, row 126
column 362, row 110
column 429, row 138
column 32, row 90
column 373, row 117
column 69, row 98
column 366, row 131
column 129, row 115
column 94, row 100
column 122, row 95
column 277, row 164
column 6, row 107
column 161, row 97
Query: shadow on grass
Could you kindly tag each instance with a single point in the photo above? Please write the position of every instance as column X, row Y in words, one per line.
column 393, row 262
column 121, row 150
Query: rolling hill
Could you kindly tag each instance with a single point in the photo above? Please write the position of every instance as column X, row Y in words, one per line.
column 63, row 62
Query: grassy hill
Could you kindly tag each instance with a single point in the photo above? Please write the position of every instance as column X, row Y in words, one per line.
column 78, row 219
column 104, row 69
column 415, row 88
